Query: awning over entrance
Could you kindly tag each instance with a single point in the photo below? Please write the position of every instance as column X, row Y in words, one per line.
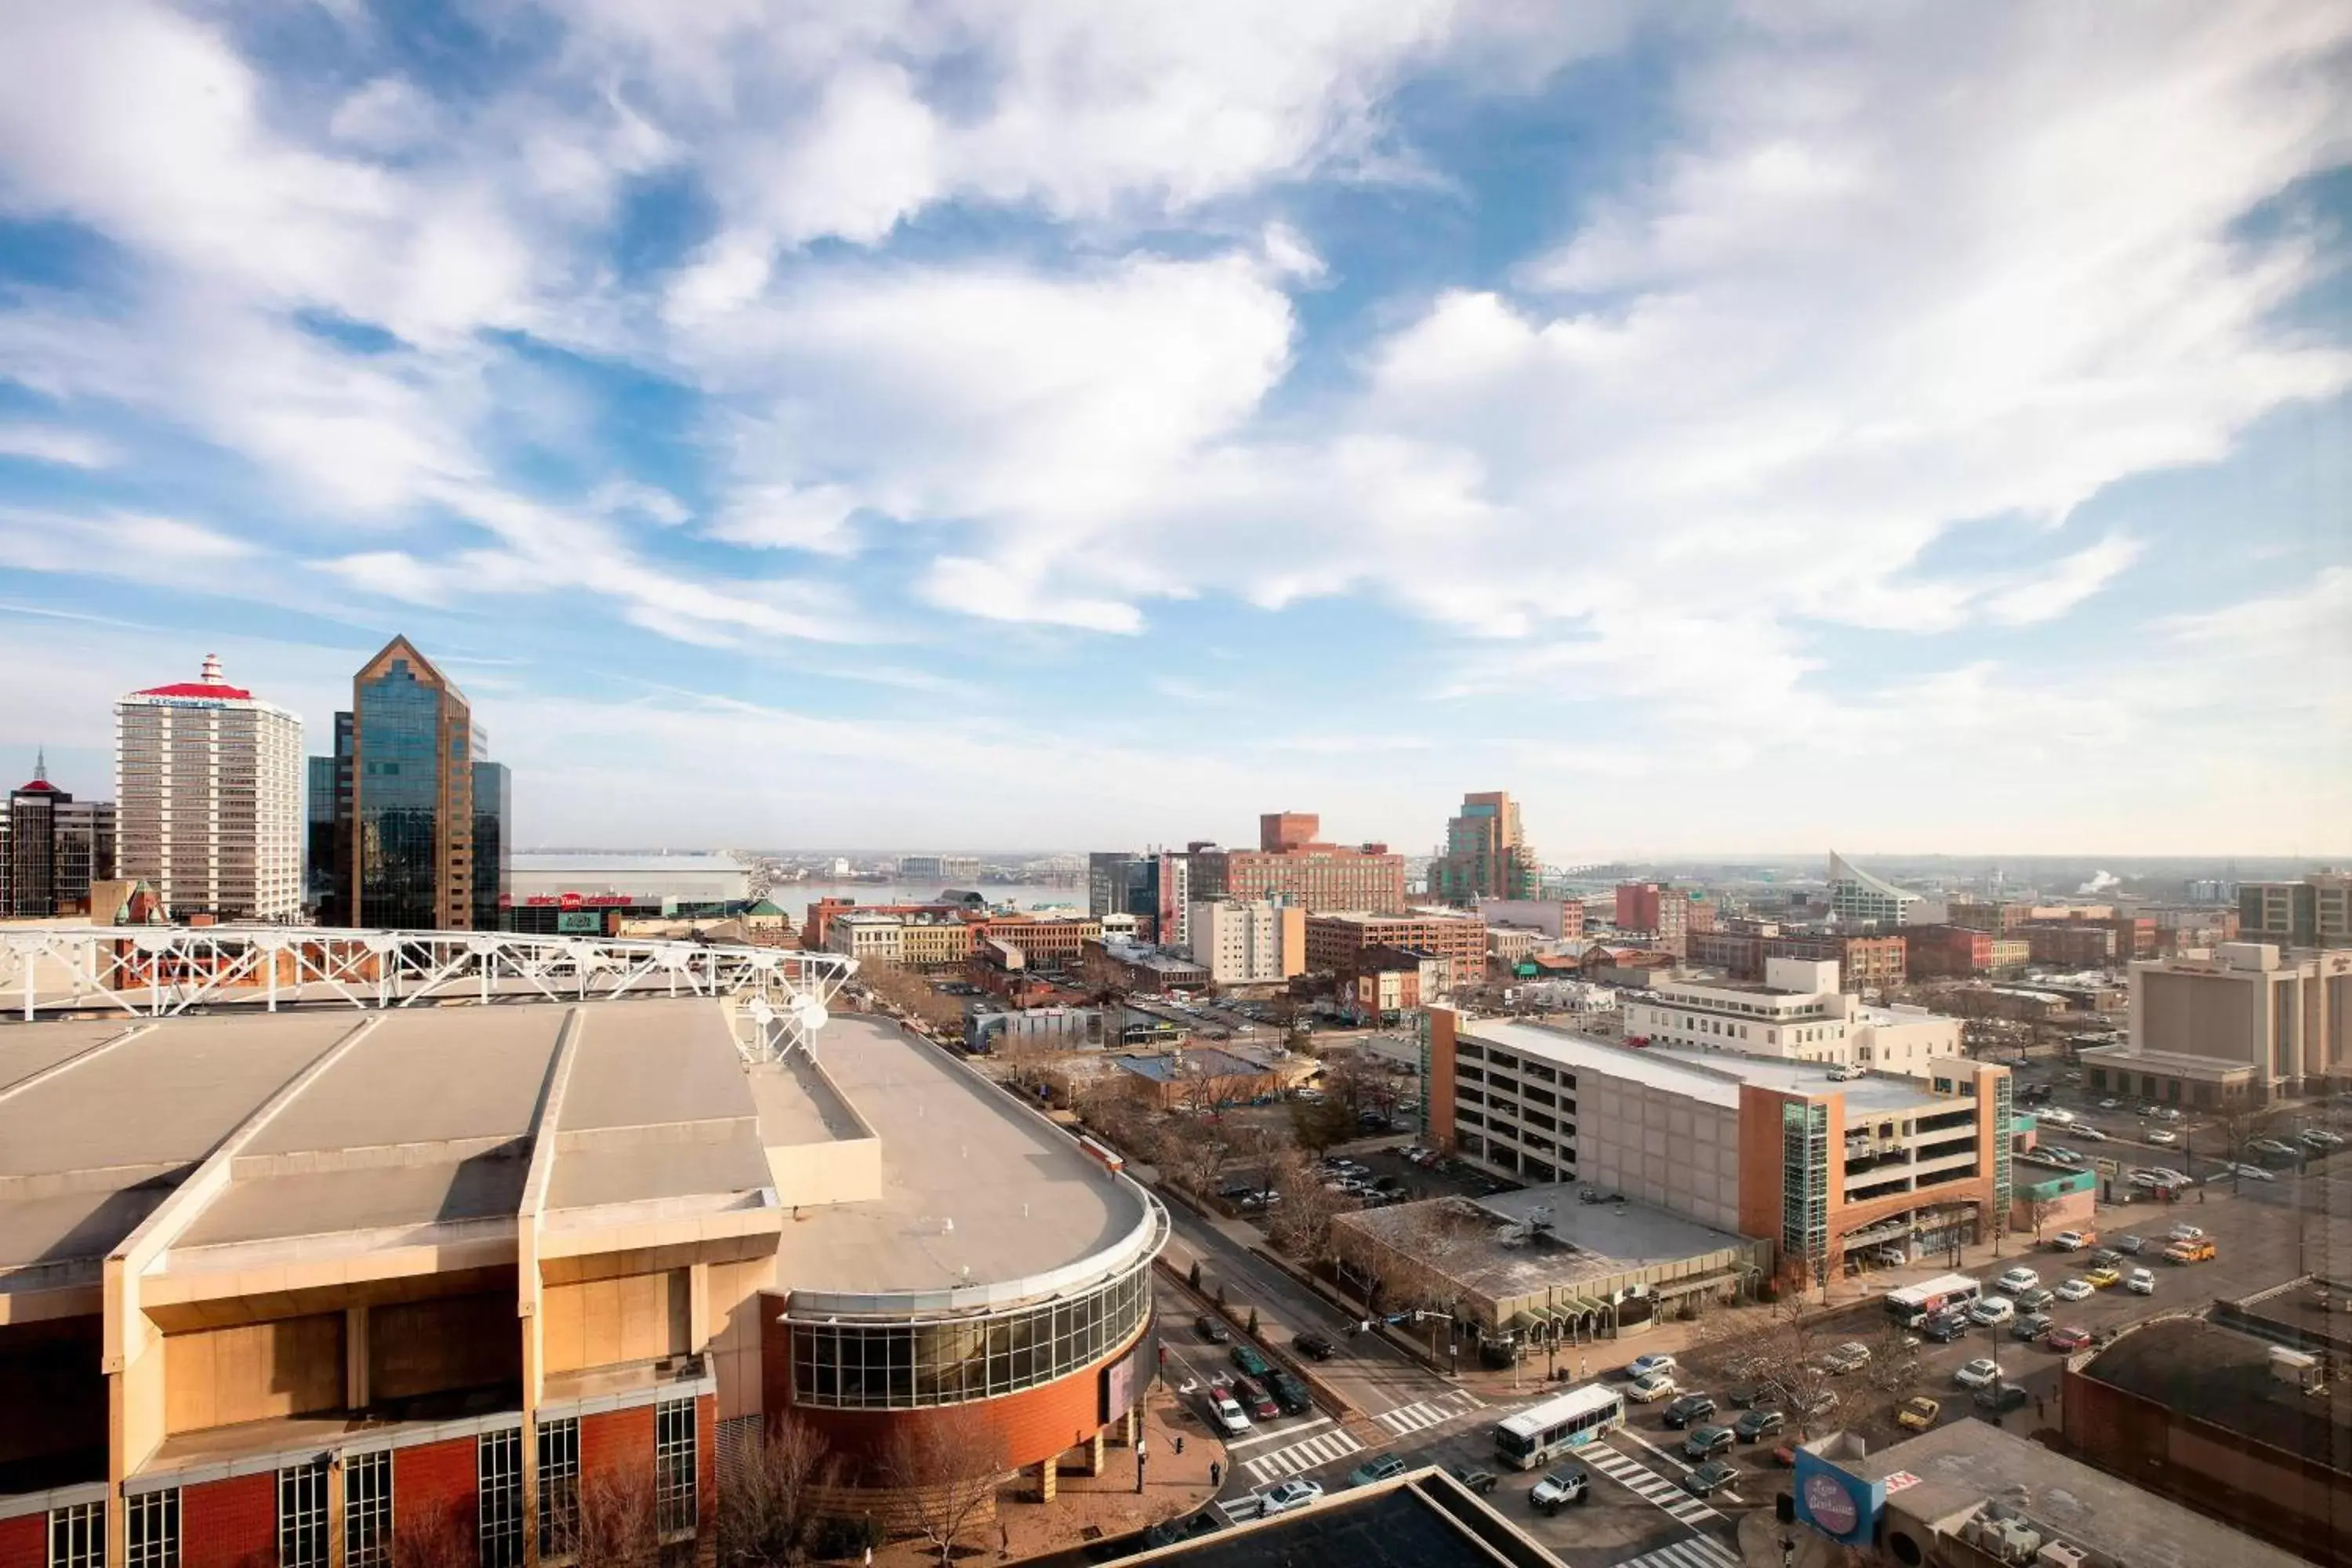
column 1677, row 1289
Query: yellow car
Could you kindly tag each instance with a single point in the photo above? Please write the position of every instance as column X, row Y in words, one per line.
column 1918, row 1414
column 2103, row 1275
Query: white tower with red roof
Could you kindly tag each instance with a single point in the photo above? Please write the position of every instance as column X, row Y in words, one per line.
column 209, row 785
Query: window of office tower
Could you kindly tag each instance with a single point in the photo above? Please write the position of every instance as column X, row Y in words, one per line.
column 400, row 799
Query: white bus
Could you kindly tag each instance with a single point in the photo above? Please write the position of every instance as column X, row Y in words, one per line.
column 1915, row 1304
column 1528, row 1440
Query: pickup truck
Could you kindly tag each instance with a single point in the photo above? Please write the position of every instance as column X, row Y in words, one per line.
column 2199, row 1251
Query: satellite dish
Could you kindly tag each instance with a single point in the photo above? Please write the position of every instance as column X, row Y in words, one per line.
column 810, row 1014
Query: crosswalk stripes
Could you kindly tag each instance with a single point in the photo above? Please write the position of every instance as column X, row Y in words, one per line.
column 1303, row 1455
column 1427, row 1413
column 1646, row 1484
column 1698, row 1552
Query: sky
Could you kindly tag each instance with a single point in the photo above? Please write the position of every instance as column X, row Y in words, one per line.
column 986, row 425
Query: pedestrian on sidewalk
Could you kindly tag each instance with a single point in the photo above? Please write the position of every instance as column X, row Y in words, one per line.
column 1180, row 1443
column 1216, row 1475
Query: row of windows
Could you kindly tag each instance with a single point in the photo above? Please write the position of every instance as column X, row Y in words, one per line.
column 76, row 1535
column 897, row 1365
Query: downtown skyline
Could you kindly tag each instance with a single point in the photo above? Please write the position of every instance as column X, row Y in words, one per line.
column 1903, row 429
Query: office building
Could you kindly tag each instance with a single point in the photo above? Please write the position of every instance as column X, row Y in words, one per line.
column 493, row 874
column 55, row 848
column 1291, row 866
column 1244, row 944
column 1860, row 899
column 2069, row 944
column 2314, row 913
column 445, row 1266
column 1660, row 914
column 1487, row 856
column 1866, row 962
column 1155, row 886
column 1970, row 1494
column 415, row 847
column 328, row 815
column 1831, row 1169
column 1146, row 971
column 1797, row 1012
column 1335, row 943
column 867, row 937
column 1562, row 919
column 2243, row 1022
column 208, row 796
column 1948, row 952
column 1385, row 983
column 961, row 870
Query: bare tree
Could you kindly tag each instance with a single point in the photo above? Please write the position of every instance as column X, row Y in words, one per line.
column 2236, row 1127
column 910, row 994
column 1265, row 1146
column 1301, row 1223
column 1783, row 1360
column 1198, row 1159
column 766, row 1503
column 2041, row 1211
column 617, row 1524
column 948, row 1466
column 1894, row 1358
column 433, row 1537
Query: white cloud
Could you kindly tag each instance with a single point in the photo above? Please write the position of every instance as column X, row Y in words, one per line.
column 2064, row 583
column 55, row 444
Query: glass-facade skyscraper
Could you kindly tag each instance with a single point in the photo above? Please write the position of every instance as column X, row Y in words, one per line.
column 493, row 850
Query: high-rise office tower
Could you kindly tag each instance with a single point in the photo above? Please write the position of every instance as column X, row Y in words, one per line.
column 330, row 816
column 208, row 786
column 1485, row 855
column 413, row 854
column 493, row 852
column 55, row 848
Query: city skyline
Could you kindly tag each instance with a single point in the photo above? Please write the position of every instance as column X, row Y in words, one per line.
column 1862, row 430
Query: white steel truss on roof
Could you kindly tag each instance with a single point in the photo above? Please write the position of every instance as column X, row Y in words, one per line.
column 160, row 972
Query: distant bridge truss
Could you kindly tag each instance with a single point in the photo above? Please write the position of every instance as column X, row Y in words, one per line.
column 778, row 995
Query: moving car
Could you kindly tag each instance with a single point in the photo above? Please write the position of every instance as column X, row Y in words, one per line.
column 1991, row 1310
column 2068, row 1340
column 1643, row 1366
column 2070, row 1241
column 1211, row 1329
column 1569, row 1483
column 2184, row 1231
column 2111, row 1104
column 1690, row 1407
column 1709, row 1478
column 2088, row 1133
column 2016, row 1279
column 1471, row 1476
column 1376, row 1469
column 2141, row 1282
column 1657, row 1385
column 2031, row 1327
column 1255, row 1400
column 1756, row 1425
column 2275, row 1149
column 1228, row 1416
column 1706, row 1442
column 1252, row 1363
column 2252, row 1172
column 2101, row 1275
column 1284, row 1496
column 2163, row 1135
column 2188, row 1252
column 1918, row 1413
column 1315, row 1347
column 2000, row 1400
column 1289, row 1393
column 1978, row 1374
column 2076, row 1291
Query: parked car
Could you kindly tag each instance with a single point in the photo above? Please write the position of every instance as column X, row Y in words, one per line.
column 1688, row 1408
column 1850, row 1356
column 2163, row 1135
column 2251, row 1173
column 2076, row 1291
column 1567, row 1484
column 2070, row 1241
column 2130, row 1244
column 2101, row 1275
column 2003, row 1398
column 1918, row 1413
column 1228, row 1416
column 2111, row 1104
column 1978, row 1374
column 1709, row 1478
column 1946, row 1327
column 1289, row 1393
column 1657, row 1385
column 2087, row 1132
column 1212, row 1329
column 1477, row 1481
column 1284, row 1496
column 2037, row 1299
column 1314, row 1347
column 1744, row 1396
column 2275, row 1149
column 1643, row 1366
column 1756, row 1425
column 1991, row 1310
column 2184, row 1231
column 2068, row 1340
column 1251, row 1364
column 1706, row 1442
column 1376, row 1469
column 2188, row 1252
column 2140, row 1282
column 2013, row 1280
column 2031, row 1327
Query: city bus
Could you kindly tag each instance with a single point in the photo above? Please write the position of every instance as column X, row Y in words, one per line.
column 1528, row 1440
column 1915, row 1304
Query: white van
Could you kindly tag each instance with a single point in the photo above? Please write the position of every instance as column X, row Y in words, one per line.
column 2056, row 1116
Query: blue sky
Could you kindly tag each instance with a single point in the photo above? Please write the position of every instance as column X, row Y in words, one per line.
column 977, row 425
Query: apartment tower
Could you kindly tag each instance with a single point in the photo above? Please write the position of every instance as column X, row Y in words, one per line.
column 208, row 792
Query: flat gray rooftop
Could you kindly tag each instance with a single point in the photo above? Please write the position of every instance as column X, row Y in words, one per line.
column 1465, row 1239
column 424, row 1076
column 24, row 1052
column 1712, row 1078
column 975, row 1187
column 1963, row 1464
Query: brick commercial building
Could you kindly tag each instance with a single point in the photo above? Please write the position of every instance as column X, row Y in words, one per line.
column 1866, row 962
column 1829, row 1169
column 1562, row 919
column 2240, row 1428
column 1661, row 914
column 328, row 1287
column 1290, row 866
column 1955, row 953
column 1336, row 942
column 2071, row 944
column 1126, row 966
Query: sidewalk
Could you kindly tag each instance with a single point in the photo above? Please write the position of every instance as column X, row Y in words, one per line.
column 1086, row 1509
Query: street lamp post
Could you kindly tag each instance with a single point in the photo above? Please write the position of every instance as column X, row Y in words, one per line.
column 1139, row 1449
